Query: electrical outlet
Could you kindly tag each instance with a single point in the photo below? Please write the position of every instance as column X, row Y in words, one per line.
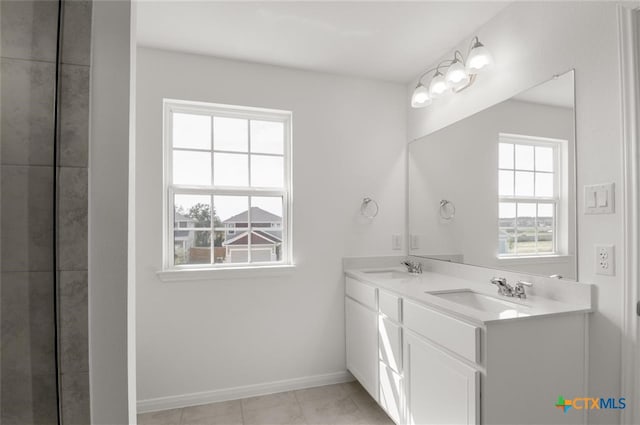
column 605, row 260
column 396, row 242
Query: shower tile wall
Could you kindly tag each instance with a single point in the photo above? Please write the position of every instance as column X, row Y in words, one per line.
column 28, row 52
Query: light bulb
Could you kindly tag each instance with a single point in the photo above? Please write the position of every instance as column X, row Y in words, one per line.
column 457, row 76
column 479, row 58
column 438, row 85
column 420, row 97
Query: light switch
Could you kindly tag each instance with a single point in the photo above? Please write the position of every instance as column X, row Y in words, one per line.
column 590, row 199
column 396, row 242
column 602, row 198
column 415, row 241
column 599, row 199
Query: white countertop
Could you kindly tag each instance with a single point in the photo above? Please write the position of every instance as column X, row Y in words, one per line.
column 416, row 288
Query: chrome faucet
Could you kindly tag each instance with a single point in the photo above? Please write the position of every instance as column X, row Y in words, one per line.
column 412, row 267
column 503, row 287
column 507, row 290
column 519, row 291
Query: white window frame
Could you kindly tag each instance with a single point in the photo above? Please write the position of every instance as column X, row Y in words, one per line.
column 555, row 200
column 171, row 106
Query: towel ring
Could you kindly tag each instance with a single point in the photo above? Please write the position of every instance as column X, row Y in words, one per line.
column 447, row 210
column 369, row 208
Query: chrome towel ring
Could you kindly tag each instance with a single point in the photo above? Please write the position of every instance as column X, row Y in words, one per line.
column 369, row 208
column 447, row 210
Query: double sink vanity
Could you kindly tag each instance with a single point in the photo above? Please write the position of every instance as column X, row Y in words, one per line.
column 435, row 348
column 496, row 327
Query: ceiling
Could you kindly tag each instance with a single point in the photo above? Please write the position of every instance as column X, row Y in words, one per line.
column 391, row 41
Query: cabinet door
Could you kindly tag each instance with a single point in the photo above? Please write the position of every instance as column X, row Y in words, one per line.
column 362, row 345
column 391, row 393
column 390, row 343
column 440, row 389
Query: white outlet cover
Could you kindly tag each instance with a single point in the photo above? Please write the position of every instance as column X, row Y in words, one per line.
column 605, row 260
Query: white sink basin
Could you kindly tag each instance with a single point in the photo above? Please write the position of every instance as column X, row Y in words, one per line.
column 482, row 302
column 388, row 274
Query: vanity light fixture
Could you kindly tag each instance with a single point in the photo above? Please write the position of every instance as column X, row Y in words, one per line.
column 459, row 74
column 420, row 97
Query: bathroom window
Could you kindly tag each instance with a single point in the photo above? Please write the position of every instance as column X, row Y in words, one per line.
column 529, row 195
column 227, row 186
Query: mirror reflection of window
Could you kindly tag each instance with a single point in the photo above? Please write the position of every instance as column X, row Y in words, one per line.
column 529, row 174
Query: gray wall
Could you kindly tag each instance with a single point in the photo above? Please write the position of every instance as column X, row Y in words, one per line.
column 29, row 37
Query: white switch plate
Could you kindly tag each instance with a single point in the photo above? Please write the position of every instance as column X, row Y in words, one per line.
column 415, row 241
column 599, row 199
column 396, row 242
column 605, row 260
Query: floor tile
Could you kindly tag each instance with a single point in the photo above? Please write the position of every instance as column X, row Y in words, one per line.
column 284, row 414
column 374, row 415
column 335, row 391
column 271, row 400
column 331, row 411
column 233, row 419
column 164, row 417
column 339, row 404
column 363, row 399
column 351, row 387
column 210, row 413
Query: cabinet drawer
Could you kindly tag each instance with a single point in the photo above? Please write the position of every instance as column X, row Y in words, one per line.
column 390, row 343
column 391, row 393
column 460, row 337
column 361, row 292
column 390, row 305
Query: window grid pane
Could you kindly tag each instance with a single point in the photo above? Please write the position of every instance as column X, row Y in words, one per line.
column 526, row 228
column 221, row 165
column 527, row 206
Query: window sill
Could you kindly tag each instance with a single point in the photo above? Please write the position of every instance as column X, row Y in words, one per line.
column 183, row 275
column 540, row 259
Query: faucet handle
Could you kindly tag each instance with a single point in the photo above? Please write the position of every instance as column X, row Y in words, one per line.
column 500, row 281
column 519, row 289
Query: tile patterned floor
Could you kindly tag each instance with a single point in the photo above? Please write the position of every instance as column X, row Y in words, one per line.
column 347, row 404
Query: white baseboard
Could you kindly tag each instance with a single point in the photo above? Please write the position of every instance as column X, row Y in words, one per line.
column 234, row 393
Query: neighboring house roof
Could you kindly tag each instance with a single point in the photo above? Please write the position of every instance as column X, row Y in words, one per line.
column 257, row 215
column 258, row 237
column 181, row 217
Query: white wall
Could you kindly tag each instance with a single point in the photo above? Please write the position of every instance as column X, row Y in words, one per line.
column 530, row 43
column 349, row 142
column 110, row 361
column 467, row 154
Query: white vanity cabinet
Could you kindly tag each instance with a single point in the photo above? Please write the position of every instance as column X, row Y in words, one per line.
column 361, row 319
column 390, row 355
column 440, row 388
column 426, row 365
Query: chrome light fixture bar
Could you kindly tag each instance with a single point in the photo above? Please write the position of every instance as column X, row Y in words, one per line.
column 458, row 74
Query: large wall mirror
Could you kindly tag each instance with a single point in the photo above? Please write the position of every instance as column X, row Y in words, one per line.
column 497, row 189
